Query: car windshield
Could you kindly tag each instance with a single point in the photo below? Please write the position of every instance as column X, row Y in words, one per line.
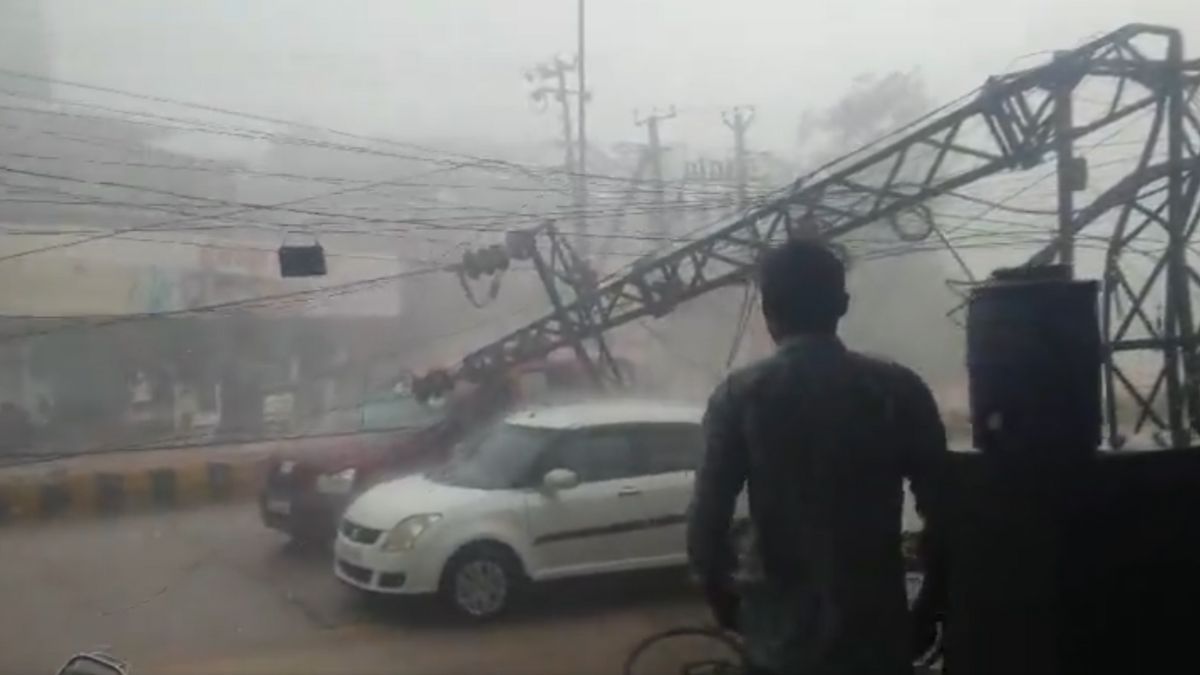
column 494, row 460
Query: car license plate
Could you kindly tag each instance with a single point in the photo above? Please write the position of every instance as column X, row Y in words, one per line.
column 348, row 553
column 278, row 506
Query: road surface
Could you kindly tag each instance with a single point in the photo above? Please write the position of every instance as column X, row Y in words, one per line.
column 212, row 591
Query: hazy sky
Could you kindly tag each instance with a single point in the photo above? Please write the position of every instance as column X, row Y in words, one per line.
column 441, row 70
column 437, row 68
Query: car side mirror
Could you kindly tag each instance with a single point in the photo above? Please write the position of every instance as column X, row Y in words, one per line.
column 556, row 480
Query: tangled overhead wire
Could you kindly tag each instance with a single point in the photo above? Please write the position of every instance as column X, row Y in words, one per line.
column 913, row 224
column 493, row 290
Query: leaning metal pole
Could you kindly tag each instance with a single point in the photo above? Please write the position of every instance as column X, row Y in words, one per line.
column 1012, row 125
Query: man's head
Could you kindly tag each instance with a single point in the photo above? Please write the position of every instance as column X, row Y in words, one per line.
column 803, row 285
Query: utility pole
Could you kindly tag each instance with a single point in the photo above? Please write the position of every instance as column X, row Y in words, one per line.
column 581, row 59
column 552, row 76
column 654, row 153
column 739, row 120
column 550, row 83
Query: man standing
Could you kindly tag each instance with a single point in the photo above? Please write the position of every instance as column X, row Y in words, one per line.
column 821, row 438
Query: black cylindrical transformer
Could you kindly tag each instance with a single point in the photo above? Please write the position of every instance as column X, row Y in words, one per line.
column 1034, row 357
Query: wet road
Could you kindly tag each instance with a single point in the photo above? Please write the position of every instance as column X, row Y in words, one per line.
column 213, row 591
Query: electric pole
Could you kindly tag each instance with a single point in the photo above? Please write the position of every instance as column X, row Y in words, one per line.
column 550, row 83
column 739, row 120
column 581, row 59
column 654, row 153
column 550, row 80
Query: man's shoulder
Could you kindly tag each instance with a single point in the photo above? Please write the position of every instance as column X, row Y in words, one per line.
column 887, row 370
column 747, row 375
column 740, row 381
column 875, row 367
column 876, row 362
column 778, row 361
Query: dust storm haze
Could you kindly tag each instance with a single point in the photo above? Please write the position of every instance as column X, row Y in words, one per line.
column 163, row 151
column 461, row 186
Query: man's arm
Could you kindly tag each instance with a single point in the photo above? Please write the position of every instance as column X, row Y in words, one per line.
column 925, row 451
column 718, row 481
column 925, row 461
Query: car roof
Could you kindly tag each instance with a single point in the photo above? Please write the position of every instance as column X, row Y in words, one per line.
column 608, row 412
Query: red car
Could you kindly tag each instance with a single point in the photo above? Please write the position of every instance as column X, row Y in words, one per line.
column 311, row 483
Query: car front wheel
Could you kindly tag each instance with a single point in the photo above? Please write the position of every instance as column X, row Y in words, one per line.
column 481, row 582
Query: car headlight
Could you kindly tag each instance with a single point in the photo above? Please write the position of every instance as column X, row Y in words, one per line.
column 338, row 483
column 404, row 535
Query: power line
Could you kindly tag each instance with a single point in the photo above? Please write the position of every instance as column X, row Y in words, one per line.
column 263, row 300
column 243, row 207
column 378, row 184
column 805, row 178
column 224, row 169
column 153, row 226
column 87, row 200
column 992, row 206
column 480, row 161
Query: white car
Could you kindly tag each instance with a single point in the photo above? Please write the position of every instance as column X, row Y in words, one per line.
column 557, row 492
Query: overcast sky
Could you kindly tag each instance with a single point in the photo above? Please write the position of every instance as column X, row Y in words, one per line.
column 440, row 68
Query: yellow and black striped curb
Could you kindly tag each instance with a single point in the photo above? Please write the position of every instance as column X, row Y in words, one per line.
column 113, row 492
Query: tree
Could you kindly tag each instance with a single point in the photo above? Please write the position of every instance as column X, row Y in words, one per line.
column 900, row 303
column 874, row 106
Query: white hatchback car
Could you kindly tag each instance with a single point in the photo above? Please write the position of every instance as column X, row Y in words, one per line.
column 564, row 491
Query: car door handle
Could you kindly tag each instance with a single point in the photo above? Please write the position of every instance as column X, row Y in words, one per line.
column 628, row 491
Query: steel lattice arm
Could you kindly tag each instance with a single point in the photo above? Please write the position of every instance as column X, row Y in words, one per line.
column 1008, row 125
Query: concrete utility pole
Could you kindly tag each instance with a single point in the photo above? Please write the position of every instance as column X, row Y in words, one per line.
column 654, row 153
column 550, row 82
column 581, row 58
column 739, row 120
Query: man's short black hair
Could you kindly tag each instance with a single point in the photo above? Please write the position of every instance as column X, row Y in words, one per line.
column 803, row 284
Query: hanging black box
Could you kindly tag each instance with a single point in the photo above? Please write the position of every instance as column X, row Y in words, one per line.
column 302, row 261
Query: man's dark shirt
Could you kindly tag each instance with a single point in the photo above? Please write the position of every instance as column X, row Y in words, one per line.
column 822, row 438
